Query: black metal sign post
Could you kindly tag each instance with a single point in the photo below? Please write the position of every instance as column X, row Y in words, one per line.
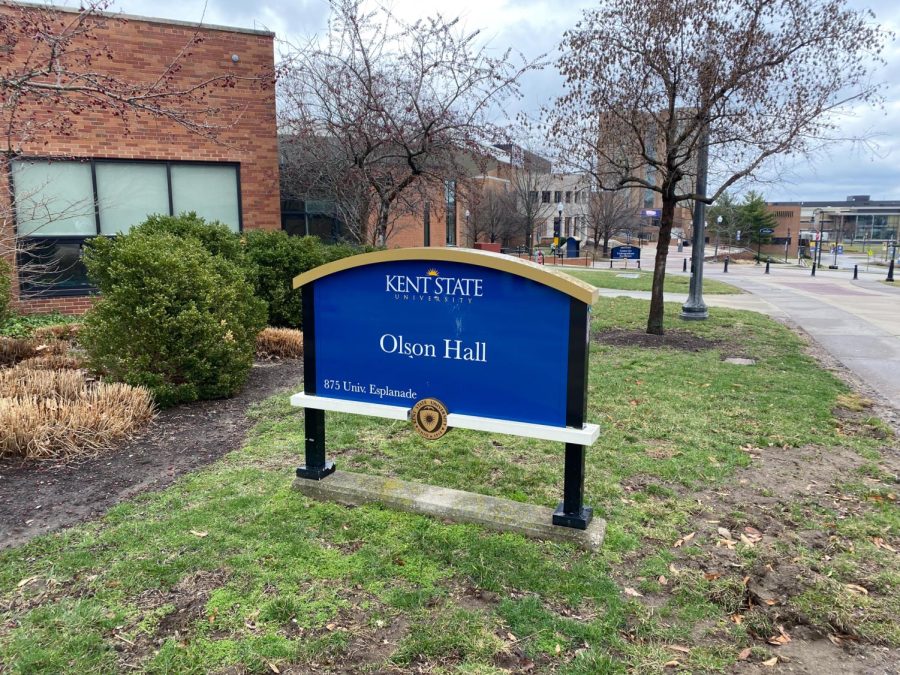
column 316, row 466
column 571, row 511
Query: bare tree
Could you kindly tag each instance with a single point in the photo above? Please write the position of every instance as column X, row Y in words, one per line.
column 56, row 68
column 529, row 183
column 494, row 215
column 609, row 212
column 651, row 81
column 400, row 102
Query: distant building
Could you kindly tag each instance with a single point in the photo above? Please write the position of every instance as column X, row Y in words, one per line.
column 857, row 219
column 568, row 194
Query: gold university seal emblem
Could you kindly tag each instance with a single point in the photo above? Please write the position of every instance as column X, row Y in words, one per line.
column 429, row 417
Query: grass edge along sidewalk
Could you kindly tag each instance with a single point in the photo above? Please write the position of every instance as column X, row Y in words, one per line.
column 625, row 280
column 231, row 568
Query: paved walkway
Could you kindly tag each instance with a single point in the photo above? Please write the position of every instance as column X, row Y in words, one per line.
column 858, row 322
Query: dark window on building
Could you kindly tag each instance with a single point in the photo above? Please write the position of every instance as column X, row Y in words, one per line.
column 557, row 197
column 568, row 197
column 545, row 197
column 568, row 222
column 533, row 196
column 450, row 206
column 59, row 204
column 781, row 240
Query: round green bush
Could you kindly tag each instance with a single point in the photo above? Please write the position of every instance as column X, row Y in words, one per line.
column 274, row 258
column 214, row 237
column 171, row 316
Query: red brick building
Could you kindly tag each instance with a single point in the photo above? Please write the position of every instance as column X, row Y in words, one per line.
column 102, row 175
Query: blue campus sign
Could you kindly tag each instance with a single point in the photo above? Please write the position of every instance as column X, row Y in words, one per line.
column 449, row 338
column 625, row 253
column 479, row 340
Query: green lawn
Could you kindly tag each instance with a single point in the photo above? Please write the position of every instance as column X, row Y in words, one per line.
column 644, row 281
column 231, row 569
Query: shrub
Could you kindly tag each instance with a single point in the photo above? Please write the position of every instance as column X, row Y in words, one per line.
column 58, row 415
column 214, row 237
column 171, row 317
column 274, row 259
column 5, row 290
column 279, row 342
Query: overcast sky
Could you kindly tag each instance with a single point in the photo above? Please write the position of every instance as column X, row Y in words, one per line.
column 535, row 27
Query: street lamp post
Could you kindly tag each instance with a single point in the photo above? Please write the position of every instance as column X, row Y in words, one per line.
column 557, row 231
column 718, row 229
column 468, row 231
column 821, row 238
column 695, row 308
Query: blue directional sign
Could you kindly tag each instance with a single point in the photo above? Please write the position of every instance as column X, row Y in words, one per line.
column 766, row 231
column 625, row 253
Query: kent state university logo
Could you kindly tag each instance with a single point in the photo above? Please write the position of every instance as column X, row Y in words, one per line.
column 432, row 287
column 429, row 418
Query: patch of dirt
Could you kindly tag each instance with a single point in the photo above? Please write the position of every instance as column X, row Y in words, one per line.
column 673, row 339
column 811, row 654
column 772, row 504
column 39, row 498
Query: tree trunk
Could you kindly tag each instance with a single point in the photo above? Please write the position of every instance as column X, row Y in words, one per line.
column 657, row 309
column 379, row 237
column 605, row 244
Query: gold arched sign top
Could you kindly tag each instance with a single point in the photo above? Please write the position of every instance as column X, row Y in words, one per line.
column 559, row 281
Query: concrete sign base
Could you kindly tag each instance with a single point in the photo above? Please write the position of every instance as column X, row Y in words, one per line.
column 355, row 489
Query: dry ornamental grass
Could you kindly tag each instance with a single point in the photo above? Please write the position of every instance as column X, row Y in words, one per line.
column 53, row 362
column 60, row 414
column 13, row 350
column 279, row 342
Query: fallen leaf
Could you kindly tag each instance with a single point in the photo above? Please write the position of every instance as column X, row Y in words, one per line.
column 744, row 654
column 771, row 662
column 558, row 649
column 671, row 664
column 511, row 636
column 737, row 618
column 673, row 569
column 330, row 626
column 26, row 581
column 711, row 576
column 679, row 648
column 199, row 533
column 781, row 639
column 880, row 543
column 633, row 593
column 683, row 540
column 273, row 667
column 859, row 590
column 662, row 580
column 724, row 532
column 835, row 640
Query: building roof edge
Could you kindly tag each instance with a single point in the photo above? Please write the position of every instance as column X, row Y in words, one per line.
column 145, row 19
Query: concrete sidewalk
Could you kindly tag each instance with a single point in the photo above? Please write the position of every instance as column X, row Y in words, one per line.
column 857, row 322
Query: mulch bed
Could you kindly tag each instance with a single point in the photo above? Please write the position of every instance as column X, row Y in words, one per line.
column 40, row 497
column 673, row 339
